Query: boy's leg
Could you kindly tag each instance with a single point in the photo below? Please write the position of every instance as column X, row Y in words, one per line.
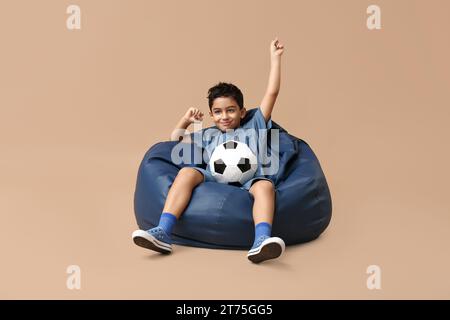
column 264, row 247
column 264, row 201
column 180, row 192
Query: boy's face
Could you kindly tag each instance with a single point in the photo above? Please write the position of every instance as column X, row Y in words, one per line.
column 226, row 114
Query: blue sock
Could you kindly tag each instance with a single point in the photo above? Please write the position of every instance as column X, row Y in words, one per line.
column 263, row 229
column 167, row 221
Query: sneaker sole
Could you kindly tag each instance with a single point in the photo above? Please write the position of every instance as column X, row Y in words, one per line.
column 149, row 242
column 269, row 251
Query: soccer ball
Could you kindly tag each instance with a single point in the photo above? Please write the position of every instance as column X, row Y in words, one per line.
column 233, row 162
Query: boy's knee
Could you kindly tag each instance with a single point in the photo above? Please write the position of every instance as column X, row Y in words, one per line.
column 190, row 174
column 262, row 186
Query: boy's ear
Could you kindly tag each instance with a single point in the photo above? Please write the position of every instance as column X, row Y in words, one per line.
column 243, row 113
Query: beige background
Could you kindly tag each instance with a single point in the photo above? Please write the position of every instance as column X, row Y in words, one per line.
column 80, row 108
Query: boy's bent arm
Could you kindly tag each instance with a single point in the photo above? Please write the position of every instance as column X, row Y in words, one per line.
column 179, row 133
column 273, row 87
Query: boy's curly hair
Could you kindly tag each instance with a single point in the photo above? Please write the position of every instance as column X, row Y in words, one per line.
column 223, row 89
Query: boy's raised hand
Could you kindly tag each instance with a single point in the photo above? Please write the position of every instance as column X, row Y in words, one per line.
column 276, row 48
column 193, row 115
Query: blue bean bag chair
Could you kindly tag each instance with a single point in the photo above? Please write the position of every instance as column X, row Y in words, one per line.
column 220, row 215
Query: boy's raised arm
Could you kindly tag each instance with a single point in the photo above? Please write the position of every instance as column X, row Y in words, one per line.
column 273, row 87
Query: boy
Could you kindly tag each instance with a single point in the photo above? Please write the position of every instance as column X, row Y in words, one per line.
column 226, row 110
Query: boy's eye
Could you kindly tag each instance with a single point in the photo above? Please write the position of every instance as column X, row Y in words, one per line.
column 217, row 112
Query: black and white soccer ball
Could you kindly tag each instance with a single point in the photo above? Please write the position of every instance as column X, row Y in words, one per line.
column 233, row 162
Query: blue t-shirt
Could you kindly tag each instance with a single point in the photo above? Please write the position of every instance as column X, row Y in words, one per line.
column 252, row 131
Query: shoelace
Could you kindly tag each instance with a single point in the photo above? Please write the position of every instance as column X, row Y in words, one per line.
column 157, row 232
column 260, row 240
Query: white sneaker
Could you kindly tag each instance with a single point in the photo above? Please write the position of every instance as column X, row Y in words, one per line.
column 266, row 248
column 154, row 239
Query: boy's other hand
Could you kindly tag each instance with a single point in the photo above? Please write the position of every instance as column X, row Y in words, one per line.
column 193, row 115
column 276, row 48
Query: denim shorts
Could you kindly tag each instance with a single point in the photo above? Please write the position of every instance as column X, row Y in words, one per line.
column 208, row 177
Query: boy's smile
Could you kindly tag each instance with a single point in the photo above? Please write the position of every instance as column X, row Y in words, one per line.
column 226, row 113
